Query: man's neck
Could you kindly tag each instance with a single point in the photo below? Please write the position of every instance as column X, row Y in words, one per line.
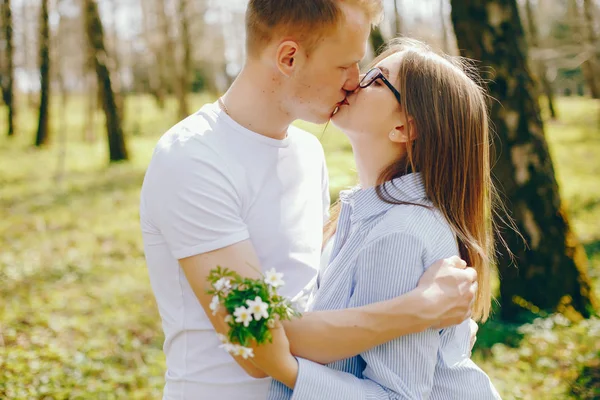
column 372, row 158
column 252, row 101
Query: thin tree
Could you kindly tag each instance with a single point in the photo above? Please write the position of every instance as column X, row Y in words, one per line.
column 397, row 18
column 155, row 62
column 377, row 40
column 7, row 79
column 588, row 68
column 593, row 44
column 540, row 65
column 95, row 36
column 185, row 66
column 115, row 59
column 444, row 28
column 551, row 273
column 42, row 137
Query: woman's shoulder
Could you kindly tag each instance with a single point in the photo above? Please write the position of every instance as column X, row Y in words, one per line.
column 420, row 220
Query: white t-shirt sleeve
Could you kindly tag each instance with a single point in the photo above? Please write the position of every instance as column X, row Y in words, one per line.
column 194, row 200
column 325, row 192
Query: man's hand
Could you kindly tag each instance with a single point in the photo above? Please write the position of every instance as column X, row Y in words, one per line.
column 448, row 291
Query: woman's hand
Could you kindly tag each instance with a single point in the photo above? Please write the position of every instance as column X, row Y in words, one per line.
column 276, row 358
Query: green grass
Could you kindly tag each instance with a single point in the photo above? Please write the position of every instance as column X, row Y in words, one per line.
column 78, row 319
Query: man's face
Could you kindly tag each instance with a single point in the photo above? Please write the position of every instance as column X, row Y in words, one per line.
column 331, row 70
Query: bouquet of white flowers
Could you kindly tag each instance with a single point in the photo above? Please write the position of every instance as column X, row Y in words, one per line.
column 252, row 305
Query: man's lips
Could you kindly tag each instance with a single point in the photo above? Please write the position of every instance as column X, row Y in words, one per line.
column 339, row 104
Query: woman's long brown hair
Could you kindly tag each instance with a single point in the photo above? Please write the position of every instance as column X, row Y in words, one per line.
column 451, row 151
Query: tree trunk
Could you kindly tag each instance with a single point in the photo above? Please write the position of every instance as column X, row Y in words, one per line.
column 95, row 34
column 377, row 40
column 42, row 136
column 7, row 81
column 539, row 65
column 594, row 44
column 552, row 272
column 397, row 18
column 185, row 65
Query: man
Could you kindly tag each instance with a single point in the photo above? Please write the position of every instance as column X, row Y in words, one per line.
column 235, row 185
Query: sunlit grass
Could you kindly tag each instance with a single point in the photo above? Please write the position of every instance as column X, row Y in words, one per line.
column 77, row 317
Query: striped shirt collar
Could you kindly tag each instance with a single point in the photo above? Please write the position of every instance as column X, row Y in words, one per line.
column 365, row 203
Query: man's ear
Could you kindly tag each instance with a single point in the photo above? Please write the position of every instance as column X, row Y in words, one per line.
column 404, row 133
column 287, row 57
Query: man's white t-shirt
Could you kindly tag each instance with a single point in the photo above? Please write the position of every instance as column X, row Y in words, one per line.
column 212, row 183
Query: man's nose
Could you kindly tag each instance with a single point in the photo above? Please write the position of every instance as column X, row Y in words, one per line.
column 352, row 80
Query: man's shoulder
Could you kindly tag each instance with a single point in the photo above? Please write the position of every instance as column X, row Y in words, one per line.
column 194, row 136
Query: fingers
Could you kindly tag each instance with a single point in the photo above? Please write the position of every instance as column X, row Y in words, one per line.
column 457, row 262
column 471, row 274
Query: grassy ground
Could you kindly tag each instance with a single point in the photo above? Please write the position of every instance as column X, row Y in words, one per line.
column 78, row 320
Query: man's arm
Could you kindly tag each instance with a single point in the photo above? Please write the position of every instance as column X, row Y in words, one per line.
column 333, row 335
column 240, row 258
column 443, row 297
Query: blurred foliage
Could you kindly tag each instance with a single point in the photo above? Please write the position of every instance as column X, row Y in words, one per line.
column 77, row 316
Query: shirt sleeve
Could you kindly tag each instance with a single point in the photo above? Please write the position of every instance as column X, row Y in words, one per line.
column 400, row 369
column 194, row 200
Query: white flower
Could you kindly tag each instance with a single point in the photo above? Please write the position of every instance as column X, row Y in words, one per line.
column 247, row 352
column 274, row 278
column 214, row 305
column 228, row 347
column 259, row 308
column 242, row 315
column 228, row 318
column 241, row 351
column 222, row 284
column 222, row 338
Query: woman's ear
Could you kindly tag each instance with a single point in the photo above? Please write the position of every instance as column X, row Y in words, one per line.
column 287, row 57
column 404, row 133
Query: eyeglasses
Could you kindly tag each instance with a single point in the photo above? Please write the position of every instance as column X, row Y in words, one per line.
column 372, row 75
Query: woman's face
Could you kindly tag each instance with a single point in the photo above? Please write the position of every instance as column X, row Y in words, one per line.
column 373, row 112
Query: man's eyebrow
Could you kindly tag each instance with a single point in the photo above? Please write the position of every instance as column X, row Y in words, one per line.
column 353, row 62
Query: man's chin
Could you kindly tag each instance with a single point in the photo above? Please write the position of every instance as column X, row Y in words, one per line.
column 318, row 119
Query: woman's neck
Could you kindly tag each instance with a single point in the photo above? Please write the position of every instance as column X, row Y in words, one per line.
column 372, row 157
column 252, row 101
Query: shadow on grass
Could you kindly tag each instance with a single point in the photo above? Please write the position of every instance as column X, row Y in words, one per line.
column 587, row 384
column 592, row 249
column 495, row 330
column 98, row 183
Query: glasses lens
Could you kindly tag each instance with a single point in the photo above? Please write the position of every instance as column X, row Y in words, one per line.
column 369, row 77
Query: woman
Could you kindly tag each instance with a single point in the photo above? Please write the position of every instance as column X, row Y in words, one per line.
column 418, row 126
